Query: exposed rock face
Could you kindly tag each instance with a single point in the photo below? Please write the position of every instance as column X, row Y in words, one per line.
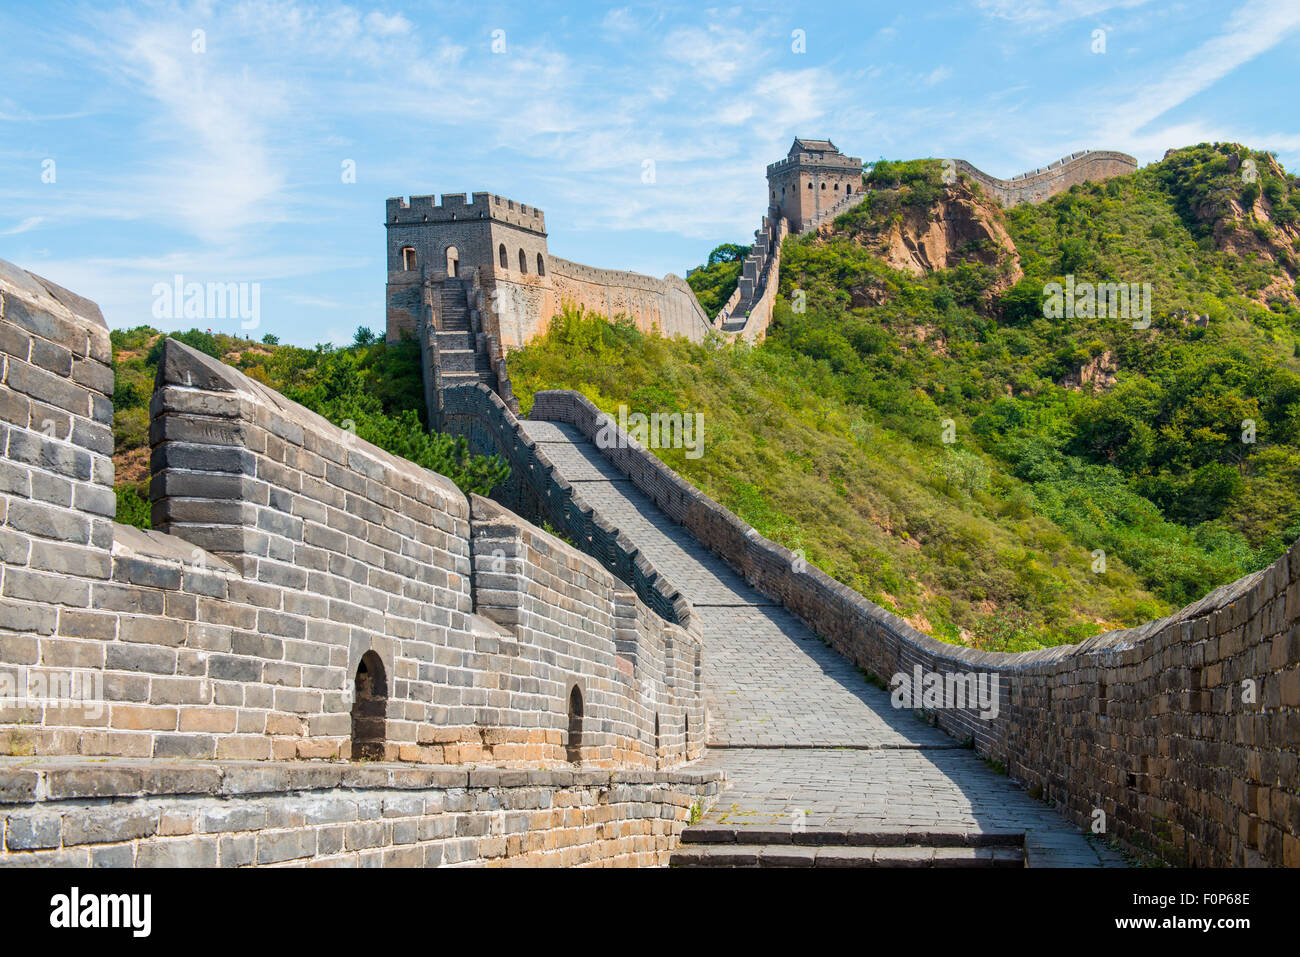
column 873, row 293
column 1097, row 375
column 960, row 227
column 1233, row 233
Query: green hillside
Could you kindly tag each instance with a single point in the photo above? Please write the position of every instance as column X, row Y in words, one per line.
column 1173, row 449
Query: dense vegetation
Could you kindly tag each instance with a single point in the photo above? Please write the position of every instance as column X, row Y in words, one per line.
column 715, row 281
column 1060, row 508
column 373, row 388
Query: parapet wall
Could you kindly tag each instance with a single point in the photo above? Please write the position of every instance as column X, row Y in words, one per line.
column 666, row 304
column 113, row 813
column 1184, row 732
column 454, row 208
column 537, row 490
column 1045, row 182
column 748, row 313
column 288, row 554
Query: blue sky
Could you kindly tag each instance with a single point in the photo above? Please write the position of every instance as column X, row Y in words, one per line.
column 226, row 165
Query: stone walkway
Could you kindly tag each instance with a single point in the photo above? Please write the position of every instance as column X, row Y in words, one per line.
column 800, row 734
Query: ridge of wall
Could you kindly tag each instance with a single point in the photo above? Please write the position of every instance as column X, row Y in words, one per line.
column 1056, row 177
column 1184, row 732
column 760, row 273
column 538, row 490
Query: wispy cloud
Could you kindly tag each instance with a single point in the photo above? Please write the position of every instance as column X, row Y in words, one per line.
column 1252, row 29
column 1049, row 13
column 30, row 223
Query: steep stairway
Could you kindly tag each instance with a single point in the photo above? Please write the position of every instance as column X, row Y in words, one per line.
column 460, row 359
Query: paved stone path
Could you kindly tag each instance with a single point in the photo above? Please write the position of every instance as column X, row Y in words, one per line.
column 800, row 734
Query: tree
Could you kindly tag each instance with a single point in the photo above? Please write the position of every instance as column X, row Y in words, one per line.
column 364, row 336
column 728, row 253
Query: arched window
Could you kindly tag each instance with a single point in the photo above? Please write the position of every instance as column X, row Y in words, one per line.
column 541, row 266
column 505, row 260
column 810, row 184
column 574, row 744
column 453, row 262
column 848, row 188
column 369, row 709
column 823, row 185
column 409, row 261
column 523, row 261
column 836, row 187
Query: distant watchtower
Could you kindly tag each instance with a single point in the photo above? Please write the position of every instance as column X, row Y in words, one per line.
column 813, row 177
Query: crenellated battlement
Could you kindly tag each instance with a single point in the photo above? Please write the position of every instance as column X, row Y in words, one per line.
column 455, row 208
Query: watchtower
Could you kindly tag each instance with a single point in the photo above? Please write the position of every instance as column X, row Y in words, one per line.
column 433, row 242
column 814, row 176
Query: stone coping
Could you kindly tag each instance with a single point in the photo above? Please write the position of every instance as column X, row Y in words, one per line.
column 24, row 781
column 182, row 366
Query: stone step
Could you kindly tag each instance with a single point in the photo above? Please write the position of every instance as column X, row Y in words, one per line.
column 452, row 379
column 454, row 339
column 457, row 360
column 913, row 836
column 801, row 855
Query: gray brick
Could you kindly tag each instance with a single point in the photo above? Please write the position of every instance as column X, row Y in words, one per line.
column 178, row 852
column 108, row 825
column 50, row 589
column 276, row 846
column 33, row 832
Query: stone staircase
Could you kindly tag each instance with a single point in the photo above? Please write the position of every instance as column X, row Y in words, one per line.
column 712, row 846
column 460, row 359
column 829, row 214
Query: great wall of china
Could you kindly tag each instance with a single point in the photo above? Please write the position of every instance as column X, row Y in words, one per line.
column 325, row 654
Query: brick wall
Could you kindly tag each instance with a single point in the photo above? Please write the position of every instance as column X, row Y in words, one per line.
column 1185, row 731
column 143, row 814
column 284, row 552
column 666, row 304
column 1040, row 184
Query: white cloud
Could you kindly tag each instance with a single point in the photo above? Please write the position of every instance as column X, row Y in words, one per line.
column 715, row 55
column 1049, row 13
column 30, row 223
column 385, row 26
column 936, row 76
column 1252, row 29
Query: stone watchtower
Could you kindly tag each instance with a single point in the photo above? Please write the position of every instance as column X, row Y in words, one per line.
column 430, row 243
column 814, row 177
